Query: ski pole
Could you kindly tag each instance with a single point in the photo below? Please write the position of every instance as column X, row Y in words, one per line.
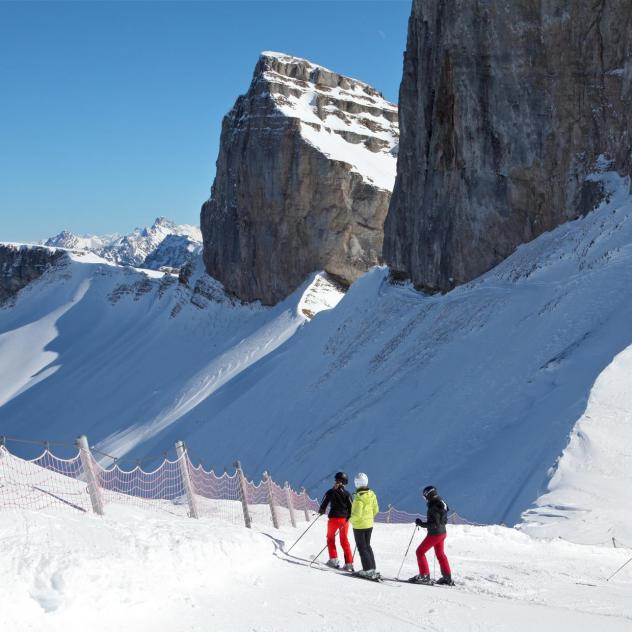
column 304, row 532
column 618, row 569
column 407, row 549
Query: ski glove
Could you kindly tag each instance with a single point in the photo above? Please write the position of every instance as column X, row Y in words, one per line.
column 420, row 523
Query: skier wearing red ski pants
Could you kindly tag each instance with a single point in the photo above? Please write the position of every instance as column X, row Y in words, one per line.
column 339, row 501
column 340, row 525
column 436, row 521
column 436, row 542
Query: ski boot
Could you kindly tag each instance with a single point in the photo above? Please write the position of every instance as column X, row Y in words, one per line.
column 446, row 580
column 421, row 579
column 348, row 568
column 333, row 563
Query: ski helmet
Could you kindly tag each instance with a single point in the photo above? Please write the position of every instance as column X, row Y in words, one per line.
column 341, row 477
column 429, row 490
column 361, row 480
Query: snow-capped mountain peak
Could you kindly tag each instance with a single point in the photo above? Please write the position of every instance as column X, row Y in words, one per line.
column 164, row 244
column 346, row 119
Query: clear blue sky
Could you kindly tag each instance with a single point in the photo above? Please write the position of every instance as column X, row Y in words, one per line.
column 110, row 112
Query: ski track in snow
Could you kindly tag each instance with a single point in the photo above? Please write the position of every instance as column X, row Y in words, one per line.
column 136, row 569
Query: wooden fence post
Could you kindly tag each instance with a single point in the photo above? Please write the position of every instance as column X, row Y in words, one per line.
column 183, row 459
column 91, row 477
column 241, row 479
column 288, row 493
column 268, row 481
column 305, row 503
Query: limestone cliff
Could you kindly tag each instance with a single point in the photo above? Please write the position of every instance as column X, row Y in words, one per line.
column 19, row 265
column 506, row 108
column 304, row 176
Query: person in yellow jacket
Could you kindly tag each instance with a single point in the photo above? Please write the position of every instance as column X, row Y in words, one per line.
column 363, row 512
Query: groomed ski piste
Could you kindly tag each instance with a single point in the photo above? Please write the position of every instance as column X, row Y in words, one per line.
column 137, row 569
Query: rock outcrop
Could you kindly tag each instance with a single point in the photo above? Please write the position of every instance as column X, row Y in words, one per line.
column 506, row 108
column 19, row 265
column 304, row 177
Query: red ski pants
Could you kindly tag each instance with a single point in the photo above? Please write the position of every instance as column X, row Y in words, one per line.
column 341, row 526
column 428, row 543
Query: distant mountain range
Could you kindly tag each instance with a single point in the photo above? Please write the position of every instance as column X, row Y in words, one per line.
column 163, row 245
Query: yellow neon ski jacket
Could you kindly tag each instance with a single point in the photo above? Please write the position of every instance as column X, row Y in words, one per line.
column 364, row 509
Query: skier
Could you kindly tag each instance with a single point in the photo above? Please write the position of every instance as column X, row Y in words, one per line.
column 436, row 520
column 339, row 500
column 363, row 512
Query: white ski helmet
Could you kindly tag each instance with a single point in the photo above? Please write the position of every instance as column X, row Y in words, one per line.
column 361, row 480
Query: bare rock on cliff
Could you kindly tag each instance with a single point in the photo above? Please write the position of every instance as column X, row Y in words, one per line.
column 19, row 265
column 304, row 177
column 506, row 107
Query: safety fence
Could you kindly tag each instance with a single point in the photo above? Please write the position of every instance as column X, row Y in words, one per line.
column 175, row 486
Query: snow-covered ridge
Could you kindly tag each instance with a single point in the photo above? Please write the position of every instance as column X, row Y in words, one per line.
column 91, row 329
column 164, row 244
column 346, row 119
column 586, row 496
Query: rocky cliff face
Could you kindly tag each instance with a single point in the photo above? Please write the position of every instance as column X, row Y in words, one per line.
column 19, row 265
column 304, row 177
column 506, row 108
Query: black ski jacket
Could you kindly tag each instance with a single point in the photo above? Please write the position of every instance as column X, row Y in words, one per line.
column 437, row 516
column 340, row 500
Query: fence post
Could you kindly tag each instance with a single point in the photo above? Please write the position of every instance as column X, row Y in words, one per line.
column 268, row 481
column 183, row 459
column 241, row 479
column 388, row 514
column 305, row 503
column 288, row 492
column 91, row 477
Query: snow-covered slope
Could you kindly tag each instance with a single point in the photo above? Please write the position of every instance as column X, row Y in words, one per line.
column 121, row 354
column 163, row 244
column 588, row 498
column 146, row 571
column 475, row 391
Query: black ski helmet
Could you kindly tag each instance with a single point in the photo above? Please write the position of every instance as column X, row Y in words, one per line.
column 429, row 490
column 341, row 477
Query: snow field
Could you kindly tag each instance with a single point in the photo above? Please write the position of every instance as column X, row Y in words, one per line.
column 91, row 329
column 588, row 497
column 139, row 570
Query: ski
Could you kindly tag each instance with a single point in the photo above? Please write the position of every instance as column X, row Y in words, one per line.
column 375, row 578
column 386, row 581
column 406, row 581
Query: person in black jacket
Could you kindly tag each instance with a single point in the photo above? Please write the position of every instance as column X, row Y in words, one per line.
column 436, row 520
column 340, row 501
